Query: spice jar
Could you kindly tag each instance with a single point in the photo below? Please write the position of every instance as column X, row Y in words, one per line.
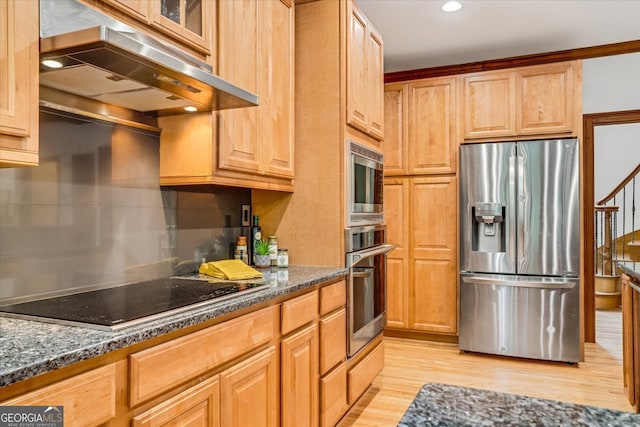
column 283, row 258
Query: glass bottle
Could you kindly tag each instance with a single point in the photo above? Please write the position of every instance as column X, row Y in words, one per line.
column 256, row 235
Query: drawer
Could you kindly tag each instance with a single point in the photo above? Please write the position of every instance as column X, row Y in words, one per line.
column 333, row 297
column 163, row 367
column 333, row 340
column 299, row 311
column 361, row 376
column 88, row 399
column 333, row 396
column 198, row 405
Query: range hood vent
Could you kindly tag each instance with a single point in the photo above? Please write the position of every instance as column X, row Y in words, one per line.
column 109, row 62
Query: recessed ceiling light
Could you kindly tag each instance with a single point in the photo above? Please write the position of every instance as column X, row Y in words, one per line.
column 452, row 6
column 52, row 63
column 190, row 108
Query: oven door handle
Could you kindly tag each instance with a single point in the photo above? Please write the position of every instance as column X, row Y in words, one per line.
column 355, row 257
column 361, row 274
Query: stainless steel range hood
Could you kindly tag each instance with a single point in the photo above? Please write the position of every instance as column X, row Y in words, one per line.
column 109, row 62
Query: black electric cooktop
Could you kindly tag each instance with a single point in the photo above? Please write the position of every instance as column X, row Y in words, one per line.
column 122, row 306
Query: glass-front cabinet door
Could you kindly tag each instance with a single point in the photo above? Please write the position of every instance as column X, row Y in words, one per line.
column 188, row 19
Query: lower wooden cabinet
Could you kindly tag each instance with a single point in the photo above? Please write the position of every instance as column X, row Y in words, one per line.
column 333, row 396
column 422, row 286
column 631, row 341
column 252, row 370
column 88, row 399
column 249, row 392
column 199, row 405
column 299, row 356
column 359, row 377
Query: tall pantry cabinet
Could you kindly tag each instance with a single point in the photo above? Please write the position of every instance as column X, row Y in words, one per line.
column 420, row 148
column 338, row 96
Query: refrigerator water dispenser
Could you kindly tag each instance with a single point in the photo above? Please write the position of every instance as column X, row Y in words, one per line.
column 488, row 235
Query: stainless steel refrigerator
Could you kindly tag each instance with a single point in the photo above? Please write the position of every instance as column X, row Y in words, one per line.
column 520, row 249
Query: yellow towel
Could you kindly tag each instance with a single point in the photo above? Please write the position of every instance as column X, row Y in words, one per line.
column 229, row 269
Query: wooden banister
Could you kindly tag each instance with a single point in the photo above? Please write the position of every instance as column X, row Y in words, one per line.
column 620, row 186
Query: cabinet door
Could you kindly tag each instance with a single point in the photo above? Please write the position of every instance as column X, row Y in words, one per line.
column 197, row 406
column 489, row 105
column 396, row 213
column 357, row 40
column 395, row 145
column 189, row 20
column 545, row 99
column 138, row 9
column 433, row 225
column 333, row 396
column 433, row 135
column 300, row 378
column 249, row 392
column 88, row 399
column 19, row 45
column 238, row 63
column 275, row 112
column 374, row 102
column 333, row 340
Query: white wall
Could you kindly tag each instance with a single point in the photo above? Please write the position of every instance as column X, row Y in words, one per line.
column 612, row 83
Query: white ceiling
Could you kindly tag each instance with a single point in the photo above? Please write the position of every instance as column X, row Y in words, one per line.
column 417, row 34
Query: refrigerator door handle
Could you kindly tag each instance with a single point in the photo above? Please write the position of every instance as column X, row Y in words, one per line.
column 522, row 237
column 556, row 283
column 512, row 219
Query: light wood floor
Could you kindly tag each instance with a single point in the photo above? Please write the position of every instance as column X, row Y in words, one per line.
column 409, row 364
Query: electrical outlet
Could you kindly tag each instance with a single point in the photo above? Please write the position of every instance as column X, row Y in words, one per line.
column 246, row 216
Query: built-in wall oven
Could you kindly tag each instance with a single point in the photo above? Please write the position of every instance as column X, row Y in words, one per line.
column 366, row 259
column 364, row 185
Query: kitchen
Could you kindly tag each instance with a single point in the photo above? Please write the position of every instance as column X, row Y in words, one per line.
column 290, row 216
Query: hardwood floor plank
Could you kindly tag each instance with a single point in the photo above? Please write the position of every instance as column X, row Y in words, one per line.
column 409, row 364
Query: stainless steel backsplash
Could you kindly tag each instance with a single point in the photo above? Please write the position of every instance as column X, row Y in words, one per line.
column 92, row 214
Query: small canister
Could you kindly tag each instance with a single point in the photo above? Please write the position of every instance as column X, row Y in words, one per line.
column 283, row 258
column 273, row 250
column 241, row 249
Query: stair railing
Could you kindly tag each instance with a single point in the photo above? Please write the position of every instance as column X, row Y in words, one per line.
column 609, row 247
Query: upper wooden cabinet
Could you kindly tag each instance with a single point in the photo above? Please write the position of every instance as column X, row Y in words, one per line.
column 256, row 40
column 19, row 38
column 249, row 147
column 422, row 127
column 527, row 101
column 189, row 21
column 365, row 75
column 396, row 125
column 545, row 99
column 489, row 105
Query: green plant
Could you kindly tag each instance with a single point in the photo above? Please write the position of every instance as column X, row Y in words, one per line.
column 262, row 247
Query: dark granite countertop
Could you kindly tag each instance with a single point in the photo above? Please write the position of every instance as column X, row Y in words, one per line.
column 446, row 405
column 631, row 268
column 29, row 348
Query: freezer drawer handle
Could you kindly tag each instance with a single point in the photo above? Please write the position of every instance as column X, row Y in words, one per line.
column 555, row 284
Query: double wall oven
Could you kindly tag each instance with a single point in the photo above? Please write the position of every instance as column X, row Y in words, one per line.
column 365, row 246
